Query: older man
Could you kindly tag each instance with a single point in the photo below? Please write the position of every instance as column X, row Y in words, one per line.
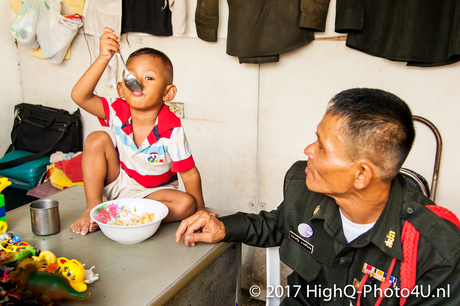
column 342, row 231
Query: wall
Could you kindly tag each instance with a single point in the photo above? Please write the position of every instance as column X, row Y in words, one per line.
column 293, row 98
column 10, row 80
column 248, row 123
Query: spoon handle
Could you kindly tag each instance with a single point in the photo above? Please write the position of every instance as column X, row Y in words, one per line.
column 122, row 61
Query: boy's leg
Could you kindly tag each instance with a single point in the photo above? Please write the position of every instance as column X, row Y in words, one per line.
column 100, row 166
column 180, row 204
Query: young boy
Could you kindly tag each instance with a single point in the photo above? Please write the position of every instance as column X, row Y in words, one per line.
column 151, row 146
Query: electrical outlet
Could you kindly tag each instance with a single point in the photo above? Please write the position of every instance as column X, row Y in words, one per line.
column 177, row 108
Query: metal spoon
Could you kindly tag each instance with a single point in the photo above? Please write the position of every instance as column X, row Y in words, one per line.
column 131, row 82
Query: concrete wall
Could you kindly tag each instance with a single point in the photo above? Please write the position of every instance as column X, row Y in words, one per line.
column 248, row 123
column 10, row 78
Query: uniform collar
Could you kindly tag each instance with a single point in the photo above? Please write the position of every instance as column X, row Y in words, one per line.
column 389, row 223
column 386, row 233
column 328, row 211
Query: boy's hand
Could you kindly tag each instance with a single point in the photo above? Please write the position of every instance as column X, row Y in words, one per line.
column 109, row 44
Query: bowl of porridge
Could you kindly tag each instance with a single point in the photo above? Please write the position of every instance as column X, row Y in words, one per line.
column 129, row 221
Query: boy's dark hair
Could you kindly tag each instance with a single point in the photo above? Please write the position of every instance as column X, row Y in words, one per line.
column 377, row 125
column 155, row 53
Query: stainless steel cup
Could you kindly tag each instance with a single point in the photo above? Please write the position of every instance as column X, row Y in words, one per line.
column 44, row 215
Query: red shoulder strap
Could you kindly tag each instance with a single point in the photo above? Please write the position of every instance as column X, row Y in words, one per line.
column 409, row 238
column 444, row 213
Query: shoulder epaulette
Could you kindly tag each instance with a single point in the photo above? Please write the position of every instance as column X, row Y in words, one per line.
column 409, row 238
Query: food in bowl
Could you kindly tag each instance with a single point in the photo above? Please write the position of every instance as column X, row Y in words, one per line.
column 114, row 214
column 134, row 219
column 129, row 221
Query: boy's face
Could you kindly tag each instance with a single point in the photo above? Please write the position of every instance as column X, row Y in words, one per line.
column 155, row 79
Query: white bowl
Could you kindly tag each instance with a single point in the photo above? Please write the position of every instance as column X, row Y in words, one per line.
column 128, row 234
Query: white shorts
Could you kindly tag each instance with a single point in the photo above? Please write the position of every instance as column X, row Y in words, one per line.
column 125, row 187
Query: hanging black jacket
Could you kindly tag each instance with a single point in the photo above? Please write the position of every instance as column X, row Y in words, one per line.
column 152, row 17
column 260, row 30
column 422, row 33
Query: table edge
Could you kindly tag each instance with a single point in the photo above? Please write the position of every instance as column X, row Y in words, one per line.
column 172, row 290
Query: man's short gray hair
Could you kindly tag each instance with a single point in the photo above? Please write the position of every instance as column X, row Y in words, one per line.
column 377, row 125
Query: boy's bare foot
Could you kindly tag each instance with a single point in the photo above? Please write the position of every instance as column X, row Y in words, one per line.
column 84, row 224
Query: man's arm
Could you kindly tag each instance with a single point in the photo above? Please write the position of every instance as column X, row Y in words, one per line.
column 439, row 286
column 192, row 184
column 259, row 230
column 83, row 91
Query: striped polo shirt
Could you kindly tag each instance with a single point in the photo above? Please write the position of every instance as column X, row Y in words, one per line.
column 163, row 153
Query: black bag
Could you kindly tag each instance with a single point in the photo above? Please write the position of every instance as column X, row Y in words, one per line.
column 43, row 130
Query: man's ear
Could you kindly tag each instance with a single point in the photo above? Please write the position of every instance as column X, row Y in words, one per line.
column 120, row 92
column 170, row 93
column 364, row 175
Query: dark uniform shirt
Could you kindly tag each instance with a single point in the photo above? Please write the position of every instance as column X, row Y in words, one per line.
column 328, row 270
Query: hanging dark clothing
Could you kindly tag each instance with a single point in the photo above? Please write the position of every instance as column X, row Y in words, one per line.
column 260, row 30
column 422, row 33
column 146, row 16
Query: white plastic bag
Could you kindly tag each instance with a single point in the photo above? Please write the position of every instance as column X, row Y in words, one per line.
column 54, row 31
column 24, row 25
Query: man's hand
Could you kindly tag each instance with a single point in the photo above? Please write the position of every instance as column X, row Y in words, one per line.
column 203, row 226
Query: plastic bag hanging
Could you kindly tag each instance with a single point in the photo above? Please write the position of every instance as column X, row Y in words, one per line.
column 24, row 25
column 55, row 32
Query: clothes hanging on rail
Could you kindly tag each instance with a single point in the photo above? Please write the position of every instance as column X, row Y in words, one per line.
column 422, row 33
column 151, row 17
column 97, row 15
column 178, row 15
column 259, row 31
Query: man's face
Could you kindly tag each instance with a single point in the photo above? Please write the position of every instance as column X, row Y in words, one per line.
column 330, row 169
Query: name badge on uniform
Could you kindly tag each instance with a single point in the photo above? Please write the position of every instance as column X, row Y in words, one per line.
column 301, row 241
